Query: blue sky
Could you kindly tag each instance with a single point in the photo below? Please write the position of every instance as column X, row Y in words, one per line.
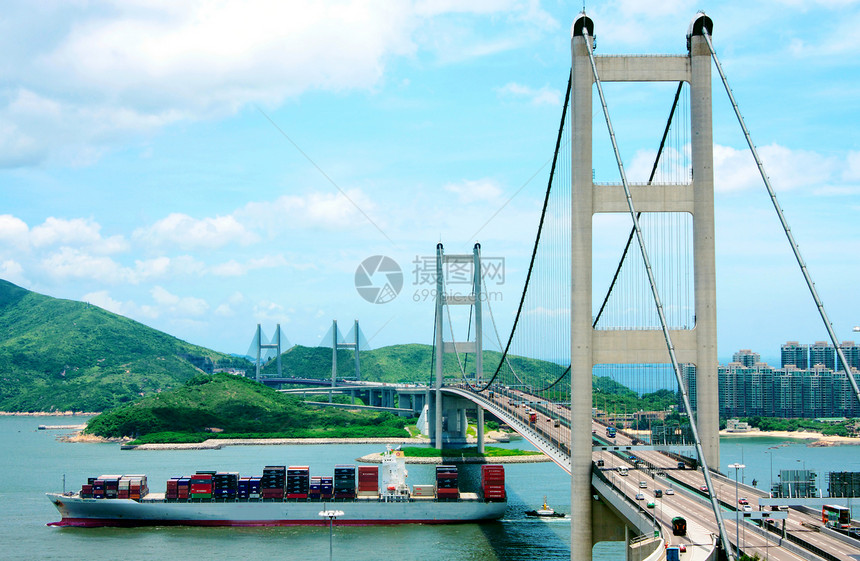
column 205, row 167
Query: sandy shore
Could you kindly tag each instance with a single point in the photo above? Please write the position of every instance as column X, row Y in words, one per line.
column 492, row 437
column 816, row 438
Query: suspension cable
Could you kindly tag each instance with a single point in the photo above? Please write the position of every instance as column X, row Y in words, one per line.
column 794, row 247
column 656, row 295
column 537, row 238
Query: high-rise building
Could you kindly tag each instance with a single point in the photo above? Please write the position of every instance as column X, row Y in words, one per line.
column 746, row 357
column 758, row 391
column 795, row 354
column 852, row 354
column 817, row 396
column 807, row 385
column 688, row 375
column 822, row 353
column 732, row 382
column 843, row 397
column 787, row 392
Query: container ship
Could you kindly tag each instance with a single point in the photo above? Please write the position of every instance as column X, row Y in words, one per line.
column 285, row 496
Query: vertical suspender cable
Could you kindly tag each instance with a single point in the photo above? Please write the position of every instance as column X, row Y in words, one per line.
column 784, row 222
column 650, row 179
column 654, row 292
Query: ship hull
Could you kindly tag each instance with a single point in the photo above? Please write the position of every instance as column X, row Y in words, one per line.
column 85, row 512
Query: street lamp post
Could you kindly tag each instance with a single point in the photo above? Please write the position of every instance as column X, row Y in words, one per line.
column 736, row 466
column 769, row 452
column 331, row 515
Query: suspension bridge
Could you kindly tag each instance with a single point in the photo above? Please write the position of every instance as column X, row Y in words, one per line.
column 653, row 332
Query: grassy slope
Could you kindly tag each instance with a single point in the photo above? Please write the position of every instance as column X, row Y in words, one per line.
column 65, row 355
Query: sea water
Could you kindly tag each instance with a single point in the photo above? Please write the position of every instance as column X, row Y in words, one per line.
column 34, row 462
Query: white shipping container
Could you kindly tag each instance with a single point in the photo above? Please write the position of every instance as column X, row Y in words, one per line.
column 423, row 491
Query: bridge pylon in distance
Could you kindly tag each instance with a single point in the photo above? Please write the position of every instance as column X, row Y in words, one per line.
column 263, row 349
column 443, row 299
column 335, row 339
column 590, row 346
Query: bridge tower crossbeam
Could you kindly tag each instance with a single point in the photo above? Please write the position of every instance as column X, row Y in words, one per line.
column 337, row 344
column 258, row 339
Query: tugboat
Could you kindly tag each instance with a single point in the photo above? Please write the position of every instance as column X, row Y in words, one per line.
column 545, row 511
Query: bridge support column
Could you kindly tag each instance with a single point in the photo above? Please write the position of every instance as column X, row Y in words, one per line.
column 463, row 424
column 480, row 430
column 580, row 311
column 705, row 283
column 439, row 348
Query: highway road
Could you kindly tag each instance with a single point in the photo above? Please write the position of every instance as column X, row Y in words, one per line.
column 552, row 420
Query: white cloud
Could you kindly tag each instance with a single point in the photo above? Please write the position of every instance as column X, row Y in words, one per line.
column 735, row 170
column 331, row 211
column 231, row 268
column 111, row 69
column 481, row 190
column 182, row 231
column 852, row 171
column 224, row 310
column 176, row 305
column 625, row 22
column 14, row 232
column 12, row 271
column 102, row 299
column 75, row 232
column 72, row 263
column 129, row 68
column 266, row 310
column 543, row 96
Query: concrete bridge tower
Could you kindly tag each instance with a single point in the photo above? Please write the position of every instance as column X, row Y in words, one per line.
column 589, row 346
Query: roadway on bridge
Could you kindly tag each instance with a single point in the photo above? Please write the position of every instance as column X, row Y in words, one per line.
column 552, row 420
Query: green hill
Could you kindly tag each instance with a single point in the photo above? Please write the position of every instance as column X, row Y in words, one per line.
column 59, row 355
column 223, row 405
column 400, row 364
